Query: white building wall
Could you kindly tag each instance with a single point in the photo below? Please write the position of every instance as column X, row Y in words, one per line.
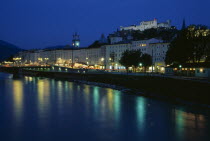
column 159, row 51
column 113, row 54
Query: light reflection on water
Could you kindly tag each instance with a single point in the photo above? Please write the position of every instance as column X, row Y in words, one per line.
column 188, row 124
column 51, row 109
column 140, row 113
column 18, row 101
column 43, row 100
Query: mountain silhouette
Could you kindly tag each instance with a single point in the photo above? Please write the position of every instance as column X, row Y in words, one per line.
column 7, row 50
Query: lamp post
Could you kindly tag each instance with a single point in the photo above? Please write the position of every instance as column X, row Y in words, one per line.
column 102, row 62
column 72, row 65
column 87, row 62
column 140, row 64
column 180, row 67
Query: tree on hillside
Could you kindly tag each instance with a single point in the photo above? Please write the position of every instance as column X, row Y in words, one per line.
column 180, row 51
column 191, row 45
column 207, row 51
column 167, row 34
column 96, row 44
column 162, row 33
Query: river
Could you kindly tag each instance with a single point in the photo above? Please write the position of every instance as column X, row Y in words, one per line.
column 36, row 109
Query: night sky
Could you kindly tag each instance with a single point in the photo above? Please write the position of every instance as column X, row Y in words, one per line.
column 41, row 23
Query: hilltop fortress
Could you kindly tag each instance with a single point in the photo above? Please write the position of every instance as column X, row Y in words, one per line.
column 147, row 25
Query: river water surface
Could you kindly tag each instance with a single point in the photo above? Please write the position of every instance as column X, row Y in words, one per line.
column 36, row 109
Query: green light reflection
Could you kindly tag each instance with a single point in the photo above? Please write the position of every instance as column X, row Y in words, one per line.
column 140, row 112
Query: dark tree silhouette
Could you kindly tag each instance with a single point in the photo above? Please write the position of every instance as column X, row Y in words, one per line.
column 131, row 59
column 162, row 33
column 146, row 60
column 190, row 46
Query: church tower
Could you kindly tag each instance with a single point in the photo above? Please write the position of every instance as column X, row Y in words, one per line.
column 183, row 24
column 76, row 40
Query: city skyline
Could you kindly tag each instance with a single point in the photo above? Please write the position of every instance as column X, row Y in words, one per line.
column 49, row 23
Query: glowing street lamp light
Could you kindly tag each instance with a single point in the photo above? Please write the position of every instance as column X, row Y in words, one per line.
column 102, row 59
column 140, row 64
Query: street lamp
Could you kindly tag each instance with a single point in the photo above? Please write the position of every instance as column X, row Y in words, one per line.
column 72, row 57
column 140, row 64
column 180, row 67
column 103, row 64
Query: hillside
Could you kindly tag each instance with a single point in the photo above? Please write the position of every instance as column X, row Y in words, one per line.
column 7, row 50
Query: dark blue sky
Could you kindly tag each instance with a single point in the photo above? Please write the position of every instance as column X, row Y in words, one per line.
column 41, row 23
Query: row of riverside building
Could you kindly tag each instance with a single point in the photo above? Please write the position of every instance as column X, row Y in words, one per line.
column 103, row 57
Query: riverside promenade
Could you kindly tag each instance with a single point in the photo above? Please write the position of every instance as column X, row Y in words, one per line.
column 97, row 71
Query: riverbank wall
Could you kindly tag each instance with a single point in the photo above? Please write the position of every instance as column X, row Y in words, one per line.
column 178, row 91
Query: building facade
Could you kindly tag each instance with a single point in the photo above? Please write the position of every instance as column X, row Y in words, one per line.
column 104, row 57
column 158, row 53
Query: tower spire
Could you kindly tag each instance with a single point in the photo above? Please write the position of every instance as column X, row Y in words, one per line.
column 183, row 24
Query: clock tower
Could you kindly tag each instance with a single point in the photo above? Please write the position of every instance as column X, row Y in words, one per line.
column 76, row 40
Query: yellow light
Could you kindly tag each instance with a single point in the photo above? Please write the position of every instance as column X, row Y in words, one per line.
column 18, row 99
